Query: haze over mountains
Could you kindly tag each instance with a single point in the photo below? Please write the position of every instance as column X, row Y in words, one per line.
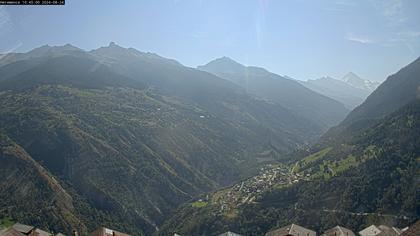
column 122, row 138
column 363, row 171
column 399, row 89
column 171, row 136
column 351, row 90
column 354, row 80
column 320, row 109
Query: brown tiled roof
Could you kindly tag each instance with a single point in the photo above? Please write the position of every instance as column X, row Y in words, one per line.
column 107, row 232
column 25, row 229
column 413, row 230
column 338, row 231
column 38, row 232
column 279, row 232
column 387, row 231
column 11, row 232
column 292, row 229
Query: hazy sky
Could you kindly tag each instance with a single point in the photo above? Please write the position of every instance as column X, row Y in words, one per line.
column 304, row 39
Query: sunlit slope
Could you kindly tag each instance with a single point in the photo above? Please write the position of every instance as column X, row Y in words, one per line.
column 363, row 171
column 136, row 135
column 369, row 178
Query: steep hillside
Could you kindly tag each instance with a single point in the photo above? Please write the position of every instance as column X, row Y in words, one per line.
column 369, row 178
column 24, row 179
column 133, row 135
column 317, row 108
column 396, row 91
column 31, row 195
column 363, row 171
column 339, row 90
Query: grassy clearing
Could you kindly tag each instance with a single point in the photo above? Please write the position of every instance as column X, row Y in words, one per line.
column 328, row 169
column 345, row 164
column 301, row 165
column 6, row 222
column 199, row 204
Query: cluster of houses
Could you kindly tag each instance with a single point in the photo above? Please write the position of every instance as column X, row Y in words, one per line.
column 247, row 190
column 373, row 230
column 26, row 230
column 289, row 230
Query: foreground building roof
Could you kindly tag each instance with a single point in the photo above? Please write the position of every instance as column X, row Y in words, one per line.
column 11, row 232
column 25, row 229
column 413, row 230
column 338, row 231
column 19, row 229
column 388, row 231
column 107, row 232
column 228, row 233
column 370, row 231
column 291, row 230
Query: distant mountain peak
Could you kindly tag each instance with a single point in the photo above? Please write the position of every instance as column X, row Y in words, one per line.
column 67, row 46
column 112, row 48
column 53, row 50
column 226, row 60
column 42, row 48
column 118, row 52
column 356, row 81
column 351, row 76
column 228, row 65
column 70, row 46
column 224, row 65
column 114, row 45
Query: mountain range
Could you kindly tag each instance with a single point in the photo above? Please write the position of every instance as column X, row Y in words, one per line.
column 321, row 110
column 119, row 137
column 363, row 171
column 357, row 82
column 144, row 145
column 351, row 90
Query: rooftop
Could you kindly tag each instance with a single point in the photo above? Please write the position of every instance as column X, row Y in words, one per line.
column 293, row 229
column 338, row 231
column 229, row 233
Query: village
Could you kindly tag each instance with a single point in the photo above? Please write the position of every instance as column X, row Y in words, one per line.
column 246, row 191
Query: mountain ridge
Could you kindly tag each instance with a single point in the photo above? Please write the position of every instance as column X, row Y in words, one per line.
column 348, row 178
column 354, row 80
column 339, row 90
column 397, row 90
column 318, row 108
column 131, row 134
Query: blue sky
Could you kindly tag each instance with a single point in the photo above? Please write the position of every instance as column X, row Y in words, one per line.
column 304, row 39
